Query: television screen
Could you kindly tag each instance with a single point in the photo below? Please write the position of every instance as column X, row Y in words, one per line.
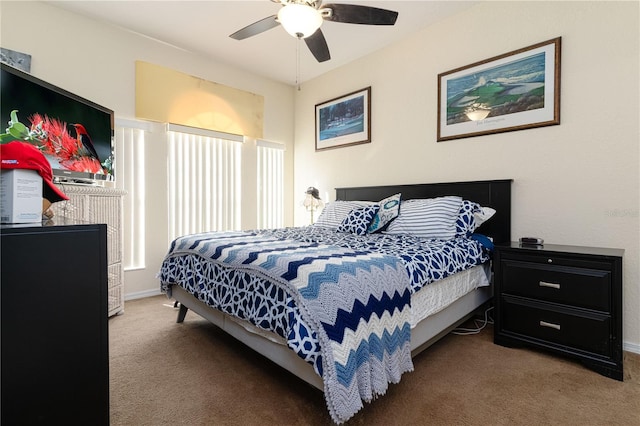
column 75, row 134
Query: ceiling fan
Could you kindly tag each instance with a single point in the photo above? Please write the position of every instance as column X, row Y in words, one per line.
column 302, row 19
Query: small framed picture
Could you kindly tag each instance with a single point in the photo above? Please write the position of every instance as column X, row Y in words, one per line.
column 19, row 60
column 344, row 121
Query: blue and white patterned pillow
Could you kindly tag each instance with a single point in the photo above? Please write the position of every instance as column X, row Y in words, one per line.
column 466, row 222
column 470, row 217
column 335, row 212
column 358, row 220
column 389, row 209
column 433, row 218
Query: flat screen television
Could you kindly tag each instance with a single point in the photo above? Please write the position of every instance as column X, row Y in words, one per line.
column 75, row 134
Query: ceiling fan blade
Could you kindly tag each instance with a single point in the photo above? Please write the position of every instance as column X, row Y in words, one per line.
column 356, row 14
column 256, row 28
column 318, row 46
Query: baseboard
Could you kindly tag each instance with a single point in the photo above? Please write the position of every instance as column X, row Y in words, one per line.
column 142, row 294
column 631, row 347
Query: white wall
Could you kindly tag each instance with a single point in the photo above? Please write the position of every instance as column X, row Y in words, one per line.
column 97, row 61
column 576, row 183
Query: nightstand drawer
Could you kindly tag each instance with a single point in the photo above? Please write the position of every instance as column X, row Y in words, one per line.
column 580, row 287
column 582, row 331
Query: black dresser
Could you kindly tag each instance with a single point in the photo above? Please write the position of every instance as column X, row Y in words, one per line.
column 564, row 299
column 55, row 344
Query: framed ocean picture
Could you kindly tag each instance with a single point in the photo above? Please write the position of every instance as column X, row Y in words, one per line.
column 514, row 91
column 344, row 121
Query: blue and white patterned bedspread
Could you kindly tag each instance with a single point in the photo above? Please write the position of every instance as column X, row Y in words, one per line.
column 426, row 260
column 357, row 302
column 270, row 306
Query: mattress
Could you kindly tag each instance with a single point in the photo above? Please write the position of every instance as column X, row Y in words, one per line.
column 437, row 296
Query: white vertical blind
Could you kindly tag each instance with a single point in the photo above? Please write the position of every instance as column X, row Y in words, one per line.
column 270, row 184
column 204, row 181
column 130, row 176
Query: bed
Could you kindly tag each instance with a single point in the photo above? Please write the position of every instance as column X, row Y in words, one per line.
column 267, row 288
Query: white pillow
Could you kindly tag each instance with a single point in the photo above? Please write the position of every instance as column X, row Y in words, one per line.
column 335, row 212
column 483, row 215
column 433, row 218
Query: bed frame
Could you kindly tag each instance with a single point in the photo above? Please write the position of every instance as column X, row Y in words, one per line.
column 492, row 193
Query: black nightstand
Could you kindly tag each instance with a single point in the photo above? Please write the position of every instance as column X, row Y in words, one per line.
column 564, row 299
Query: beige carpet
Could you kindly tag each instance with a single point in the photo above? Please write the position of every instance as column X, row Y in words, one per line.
column 163, row 373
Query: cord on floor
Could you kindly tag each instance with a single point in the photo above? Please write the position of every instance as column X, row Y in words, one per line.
column 480, row 325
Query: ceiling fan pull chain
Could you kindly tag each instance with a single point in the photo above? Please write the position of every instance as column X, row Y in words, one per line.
column 298, row 63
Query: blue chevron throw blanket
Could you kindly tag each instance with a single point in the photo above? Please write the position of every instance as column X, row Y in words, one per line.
column 357, row 301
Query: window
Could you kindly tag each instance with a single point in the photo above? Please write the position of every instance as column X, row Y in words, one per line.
column 204, row 190
column 204, row 180
column 130, row 172
column 270, row 184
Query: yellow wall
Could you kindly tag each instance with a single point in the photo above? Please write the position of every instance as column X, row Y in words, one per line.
column 169, row 96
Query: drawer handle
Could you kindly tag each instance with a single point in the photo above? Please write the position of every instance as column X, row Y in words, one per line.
column 550, row 325
column 550, row 285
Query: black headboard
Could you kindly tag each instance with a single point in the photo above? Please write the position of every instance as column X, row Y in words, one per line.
column 489, row 193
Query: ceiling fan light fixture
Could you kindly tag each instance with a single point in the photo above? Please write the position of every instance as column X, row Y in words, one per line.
column 299, row 20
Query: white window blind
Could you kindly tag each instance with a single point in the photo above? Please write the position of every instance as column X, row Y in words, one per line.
column 270, row 184
column 130, row 176
column 204, row 181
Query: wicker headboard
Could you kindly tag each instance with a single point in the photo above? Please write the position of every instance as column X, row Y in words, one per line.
column 489, row 193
